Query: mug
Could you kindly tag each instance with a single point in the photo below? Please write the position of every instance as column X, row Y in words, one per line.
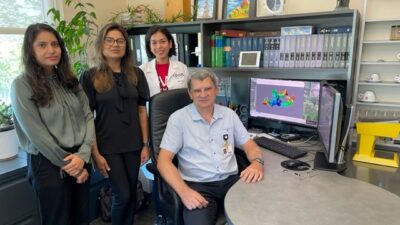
column 374, row 77
column 367, row 96
column 397, row 78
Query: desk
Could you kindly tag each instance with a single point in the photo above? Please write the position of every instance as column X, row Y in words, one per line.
column 308, row 198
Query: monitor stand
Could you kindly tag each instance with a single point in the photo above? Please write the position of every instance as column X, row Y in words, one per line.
column 321, row 163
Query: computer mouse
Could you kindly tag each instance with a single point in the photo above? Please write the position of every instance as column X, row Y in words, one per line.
column 294, row 164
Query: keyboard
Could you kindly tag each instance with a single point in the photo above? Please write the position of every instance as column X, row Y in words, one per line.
column 280, row 147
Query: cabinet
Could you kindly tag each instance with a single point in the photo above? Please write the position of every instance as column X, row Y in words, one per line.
column 239, row 76
column 378, row 54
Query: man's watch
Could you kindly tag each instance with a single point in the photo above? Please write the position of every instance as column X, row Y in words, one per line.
column 259, row 160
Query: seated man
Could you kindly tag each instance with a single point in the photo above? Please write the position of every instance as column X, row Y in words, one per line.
column 203, row 135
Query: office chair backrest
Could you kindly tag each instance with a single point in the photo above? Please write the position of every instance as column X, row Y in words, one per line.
column 162, row 105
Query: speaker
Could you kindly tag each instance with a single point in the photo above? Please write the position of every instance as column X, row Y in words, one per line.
column 242, row 111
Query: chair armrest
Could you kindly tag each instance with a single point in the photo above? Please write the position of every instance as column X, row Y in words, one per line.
column 152, row 168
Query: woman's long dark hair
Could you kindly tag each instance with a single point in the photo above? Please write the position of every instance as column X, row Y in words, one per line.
column 42, row 93
column 103, row 76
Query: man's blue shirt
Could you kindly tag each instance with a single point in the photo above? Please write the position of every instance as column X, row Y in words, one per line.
column 205, row 151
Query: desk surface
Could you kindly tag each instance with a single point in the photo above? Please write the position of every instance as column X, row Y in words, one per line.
column 309, row 197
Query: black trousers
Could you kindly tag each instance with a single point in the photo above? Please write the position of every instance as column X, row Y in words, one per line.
column 215, row 193
column 123, row 178
column 62, row 201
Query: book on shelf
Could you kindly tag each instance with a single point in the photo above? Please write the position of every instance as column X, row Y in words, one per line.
column 334, row 30
column 320, row 50
column 219, row 51
column 267, row 48
column 212, row 50
column 272, row 33
column 296, row 30
column 233, row 33
column 308, row 50
column 228, row 53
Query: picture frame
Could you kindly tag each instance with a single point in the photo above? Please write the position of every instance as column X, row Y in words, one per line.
column 239, row 9
column 270, row 7
column 249, row 59
column 206, row 9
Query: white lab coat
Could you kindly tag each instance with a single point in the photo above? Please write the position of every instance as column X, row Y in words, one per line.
column 177, row 76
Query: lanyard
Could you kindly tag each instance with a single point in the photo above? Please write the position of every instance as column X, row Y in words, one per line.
column 163, row 85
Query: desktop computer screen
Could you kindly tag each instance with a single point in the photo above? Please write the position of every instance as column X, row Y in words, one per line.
column 290, row 101
column 329, row 126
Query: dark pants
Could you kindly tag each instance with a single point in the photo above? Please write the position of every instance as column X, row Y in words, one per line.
column 62, row 201
column 123, row 177
column 215, row 193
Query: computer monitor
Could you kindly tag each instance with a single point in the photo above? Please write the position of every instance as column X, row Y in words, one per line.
column 291, row 101
column 329, row 128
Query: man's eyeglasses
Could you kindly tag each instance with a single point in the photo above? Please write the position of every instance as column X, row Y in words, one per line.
column 111, row 41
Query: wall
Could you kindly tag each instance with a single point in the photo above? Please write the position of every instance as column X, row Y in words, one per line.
column 156, row 5
column 104, row 10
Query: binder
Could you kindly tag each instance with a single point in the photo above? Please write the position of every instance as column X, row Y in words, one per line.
column 314, row 50
column 331, row 50
column 277, row 51
column 298, row 51
column 175, row 57
column 292, row 50
column 320, row 50
column 343, row 50
column 138, row 51
column 307, row 49
column 271, row 57
column 190, row 42
column 180, row 47
column 267, row 48
column 325, row 51
column 282, row 52
column 338, row 49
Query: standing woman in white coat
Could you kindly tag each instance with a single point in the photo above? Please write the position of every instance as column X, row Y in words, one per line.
column 161, row 72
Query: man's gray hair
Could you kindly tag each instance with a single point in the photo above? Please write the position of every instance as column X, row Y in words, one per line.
column 201, row 74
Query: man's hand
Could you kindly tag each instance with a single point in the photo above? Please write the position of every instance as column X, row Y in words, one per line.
column 145, row 154
column 102, row 165
column 74, row 166
column 82, row 176
column 253, row 173
column 193, row 199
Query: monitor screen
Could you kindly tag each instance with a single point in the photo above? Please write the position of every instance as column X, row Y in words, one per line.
column 329, row 122
column 290, row 101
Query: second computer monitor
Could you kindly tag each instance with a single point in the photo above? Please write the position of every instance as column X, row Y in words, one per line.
column 291, row 101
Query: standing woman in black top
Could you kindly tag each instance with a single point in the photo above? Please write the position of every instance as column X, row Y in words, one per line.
column 118, row 92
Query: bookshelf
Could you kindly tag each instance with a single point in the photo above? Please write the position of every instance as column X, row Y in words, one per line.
column 377, row 53
column 342, row 76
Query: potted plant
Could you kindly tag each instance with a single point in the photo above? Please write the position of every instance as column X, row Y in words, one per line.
column 8, row 138
column 78, row 32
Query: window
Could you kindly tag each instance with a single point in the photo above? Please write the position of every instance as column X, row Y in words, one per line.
column 15, row 17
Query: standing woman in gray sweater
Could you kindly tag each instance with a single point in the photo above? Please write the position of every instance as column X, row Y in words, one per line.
column 55, row 127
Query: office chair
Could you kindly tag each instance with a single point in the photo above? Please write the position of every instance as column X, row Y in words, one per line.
column 162, row 105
